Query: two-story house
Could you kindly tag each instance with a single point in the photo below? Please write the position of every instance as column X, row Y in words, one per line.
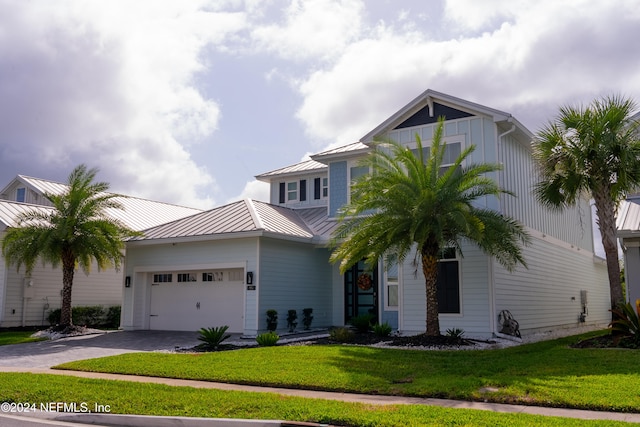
column 25, row 300
column 229, row 265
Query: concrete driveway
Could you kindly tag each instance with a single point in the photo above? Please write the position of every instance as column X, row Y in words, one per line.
column 45, row 354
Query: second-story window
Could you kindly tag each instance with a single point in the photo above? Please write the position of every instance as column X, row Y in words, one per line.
column 292, row 191
column 21, row 195
column 356, row 172
column 451, row 152
column 320, row 188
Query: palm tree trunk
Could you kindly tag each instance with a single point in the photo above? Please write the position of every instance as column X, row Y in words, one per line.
column 606, row 212
column 430, row 271
column 68, row 269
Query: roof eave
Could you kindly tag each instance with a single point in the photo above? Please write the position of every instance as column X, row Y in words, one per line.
column 191, row 239
column 429, row 96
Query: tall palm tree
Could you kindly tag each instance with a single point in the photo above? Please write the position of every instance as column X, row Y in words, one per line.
column 410, row 200
column 76, row 232
column 591, row 151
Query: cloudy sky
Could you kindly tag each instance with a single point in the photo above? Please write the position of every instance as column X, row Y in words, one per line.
column 185, row 101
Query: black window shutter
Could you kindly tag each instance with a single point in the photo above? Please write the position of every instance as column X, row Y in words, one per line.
column 303, row 190
column 316, row 189
column 282, row 192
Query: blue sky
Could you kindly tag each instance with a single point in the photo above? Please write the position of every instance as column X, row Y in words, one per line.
column 185, row 101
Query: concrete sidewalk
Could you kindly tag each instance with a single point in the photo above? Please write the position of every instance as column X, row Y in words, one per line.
column 345, row 397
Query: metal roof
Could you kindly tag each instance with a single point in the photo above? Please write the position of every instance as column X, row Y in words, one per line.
column 353, row 148
column 247, row 216
column 306, row 166
column 9, row 211
column 628, row 222
column 137, row 214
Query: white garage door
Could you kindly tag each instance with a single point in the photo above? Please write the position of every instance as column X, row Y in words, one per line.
column 188, row 301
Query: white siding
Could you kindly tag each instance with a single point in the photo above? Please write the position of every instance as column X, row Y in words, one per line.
column 294, row 276
column 98, row 288
column 30, row 195
column 3, row 287
column 547, row 294
column 474, row 293
column 519, row 176
column 145, row 259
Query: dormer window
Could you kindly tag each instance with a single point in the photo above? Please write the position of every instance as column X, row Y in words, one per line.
column 293, row 191
column 21, row 195
column 320, row 188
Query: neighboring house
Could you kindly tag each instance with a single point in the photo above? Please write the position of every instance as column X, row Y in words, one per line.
column 233, row 263
column 629, row 235
column 27, row 300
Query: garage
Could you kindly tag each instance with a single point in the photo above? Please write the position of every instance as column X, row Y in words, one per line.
column 190, row 300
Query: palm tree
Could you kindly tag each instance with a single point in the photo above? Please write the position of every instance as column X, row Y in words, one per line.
column 76, row 231
column 410, row 199
column 591, row 151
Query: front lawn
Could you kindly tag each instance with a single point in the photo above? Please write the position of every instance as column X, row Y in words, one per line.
column 17, row 337
column 120, row 397
column 546, row 373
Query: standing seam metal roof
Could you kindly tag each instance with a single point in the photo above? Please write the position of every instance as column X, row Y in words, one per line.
column 246, row 216
column 137, row 213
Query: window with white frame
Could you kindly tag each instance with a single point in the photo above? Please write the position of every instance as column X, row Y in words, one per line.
column 292, row 191
column 355, row 172
column 452, row 151
column 186, row 277
column 320, row 188
column 163, row 278
column 21, row 195
column 391, row 284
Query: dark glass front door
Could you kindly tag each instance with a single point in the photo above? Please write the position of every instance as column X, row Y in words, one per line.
column 360, row 292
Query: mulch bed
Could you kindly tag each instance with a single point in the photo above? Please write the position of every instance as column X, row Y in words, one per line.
column 606, row 341
column 438, row 342
column 421, row 340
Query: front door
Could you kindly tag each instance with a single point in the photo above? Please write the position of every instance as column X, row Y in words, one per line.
column 361, row 292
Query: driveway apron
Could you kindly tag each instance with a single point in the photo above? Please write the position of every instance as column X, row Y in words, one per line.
column 45, row 354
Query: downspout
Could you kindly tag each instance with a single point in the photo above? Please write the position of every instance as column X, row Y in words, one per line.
column 491, row 276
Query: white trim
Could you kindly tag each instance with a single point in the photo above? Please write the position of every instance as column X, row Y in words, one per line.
column 354, row 163
column 174, row 268
column 254, row 215
column 492, row 295
column 385, row 288
column 256, row 282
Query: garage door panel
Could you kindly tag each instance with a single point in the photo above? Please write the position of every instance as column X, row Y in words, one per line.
column 191, row 306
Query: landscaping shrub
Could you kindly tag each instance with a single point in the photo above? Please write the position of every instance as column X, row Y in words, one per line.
column 272, row 320
column 213, row 337
column 455, row 333
column 112, row 318
column 292, row 316
column 343, row 335
column 94, row 316
column 362, row 323
column 382, row 330
column 307, row 318
column 267, row 339
column 627, row 324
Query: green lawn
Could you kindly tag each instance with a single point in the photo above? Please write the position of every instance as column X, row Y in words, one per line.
column 546, row 373
column 17, row 337
column 152, row 399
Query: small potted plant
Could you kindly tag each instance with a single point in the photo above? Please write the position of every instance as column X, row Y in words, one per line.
column 272, row 320
column 292, row 317
column 307, row 318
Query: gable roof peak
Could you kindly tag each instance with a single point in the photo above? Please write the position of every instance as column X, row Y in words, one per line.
column 428, row 99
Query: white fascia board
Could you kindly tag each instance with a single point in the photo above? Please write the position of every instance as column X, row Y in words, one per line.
column 189, row 239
